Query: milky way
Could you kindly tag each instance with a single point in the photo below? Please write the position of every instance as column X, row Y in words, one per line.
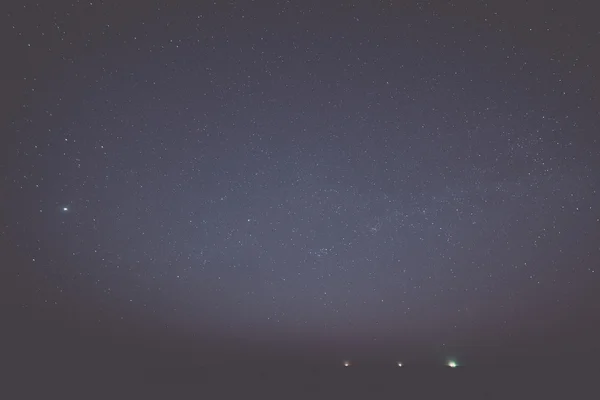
column 317, row 174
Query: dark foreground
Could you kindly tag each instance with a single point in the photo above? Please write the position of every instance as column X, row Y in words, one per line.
column 290, row 382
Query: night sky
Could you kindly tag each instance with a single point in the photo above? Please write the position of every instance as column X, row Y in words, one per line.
column 247, row 181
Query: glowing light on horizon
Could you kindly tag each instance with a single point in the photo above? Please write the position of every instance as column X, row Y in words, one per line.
column 346, row 363
column 452, row 364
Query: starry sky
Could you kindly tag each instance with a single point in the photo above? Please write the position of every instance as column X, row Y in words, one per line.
column 326, row 180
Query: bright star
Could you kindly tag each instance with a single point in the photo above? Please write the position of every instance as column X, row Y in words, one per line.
column 399, row 364
column 346, row 363
column 65, row 209
column 452, row 364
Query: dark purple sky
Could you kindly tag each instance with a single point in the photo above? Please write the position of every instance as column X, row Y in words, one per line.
column 327, row 180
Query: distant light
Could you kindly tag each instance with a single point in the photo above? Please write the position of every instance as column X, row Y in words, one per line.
column 399, row 364
column 65, row 208
column 452, row 364
column 346, row 363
